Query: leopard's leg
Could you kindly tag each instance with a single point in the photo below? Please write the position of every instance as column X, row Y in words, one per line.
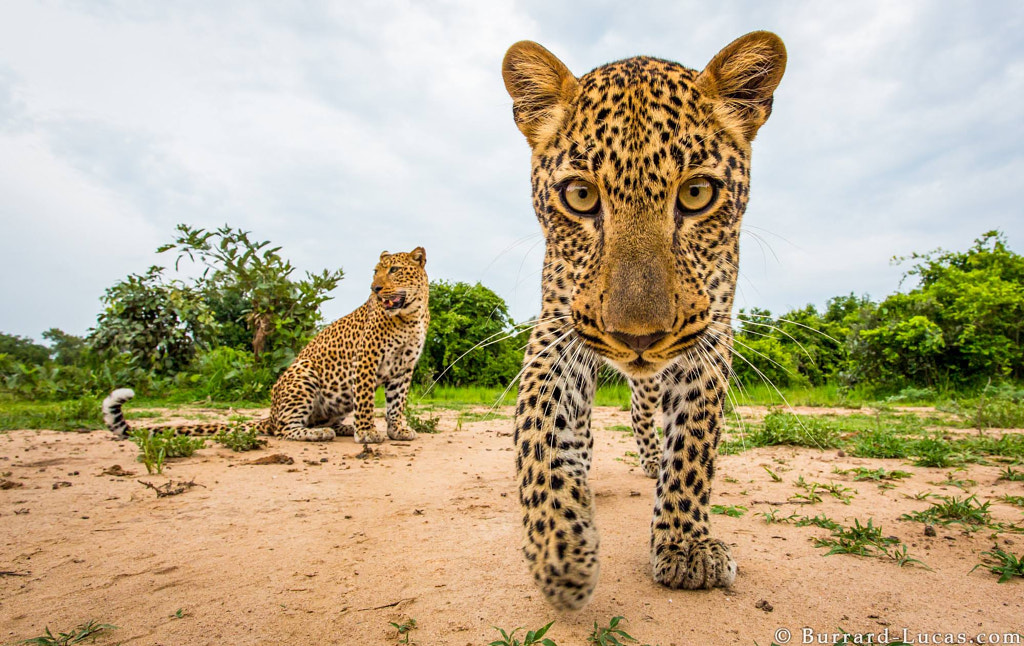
column 683, row 553
column 553, row 444
column 643, row 402
column 364, row 386
column 296, row 396
column 396, row 392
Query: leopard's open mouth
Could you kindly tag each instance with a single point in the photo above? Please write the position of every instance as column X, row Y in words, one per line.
column 393, row 301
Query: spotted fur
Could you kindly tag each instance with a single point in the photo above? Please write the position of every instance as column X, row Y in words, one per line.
column 337, row 373
column 639, row 282
column 645, row 395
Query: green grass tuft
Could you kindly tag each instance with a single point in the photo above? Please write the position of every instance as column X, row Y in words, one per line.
column 78, row 634
column 1003, row 563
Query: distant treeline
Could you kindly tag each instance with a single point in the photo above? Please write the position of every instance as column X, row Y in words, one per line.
column 229, row 333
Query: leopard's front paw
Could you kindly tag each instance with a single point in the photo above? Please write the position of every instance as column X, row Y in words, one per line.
column 651, row 466
column 401, row 432
column 566, row 569
column 318, row 434
column 700, row 564
column 371, row 436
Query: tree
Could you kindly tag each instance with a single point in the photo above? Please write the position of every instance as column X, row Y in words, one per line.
column 160, row 325
column 962, row 324
column 471, row 338
column 23, row 350
column 248, row 283
column 67, row 349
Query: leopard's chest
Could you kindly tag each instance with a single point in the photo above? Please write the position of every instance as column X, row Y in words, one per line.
column 401, row 351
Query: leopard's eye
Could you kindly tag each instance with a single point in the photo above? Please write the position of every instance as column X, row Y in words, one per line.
column 581, row 197
column 696, row 194
column 393, row 269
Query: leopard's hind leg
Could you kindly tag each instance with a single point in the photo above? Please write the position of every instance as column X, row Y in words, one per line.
column 296, row 398
column 644, row 399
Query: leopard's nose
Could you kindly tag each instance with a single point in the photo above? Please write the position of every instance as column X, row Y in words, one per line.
column 639, row 343
column 377, row 288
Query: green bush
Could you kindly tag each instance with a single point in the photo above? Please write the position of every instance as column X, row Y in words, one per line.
column 229, row 374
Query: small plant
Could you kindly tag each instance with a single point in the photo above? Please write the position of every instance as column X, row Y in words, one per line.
column 968, row 512
column 76, row 636
column 422, row 424
column 1000, row 410
column 157, row 447
column 609, row 635
column 531, row 637
column 153, row 451
column 932, row 452
column 1016, row 501
column 1004, row 564
column 240, row 439
column 1012, row 475
column 879, row 443
column 820, row 520
column 875, row 475
column 795, row 430
column 863, row 540
column 902, row 558
column 951, row 481
column 772, row 516
column 733, row 511
column 404, row 629
column 775, row 477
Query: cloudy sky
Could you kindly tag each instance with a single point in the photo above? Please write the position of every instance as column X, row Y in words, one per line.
column 341, row 129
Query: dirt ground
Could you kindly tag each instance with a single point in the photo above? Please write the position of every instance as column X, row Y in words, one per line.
column 330, row 549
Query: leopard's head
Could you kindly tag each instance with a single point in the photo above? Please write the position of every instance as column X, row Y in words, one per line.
column 640, row 173
column 400, row 283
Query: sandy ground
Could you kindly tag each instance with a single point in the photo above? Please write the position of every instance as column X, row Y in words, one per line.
column 332, row 548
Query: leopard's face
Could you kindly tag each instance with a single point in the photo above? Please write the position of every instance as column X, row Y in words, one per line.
column 400, row 283
column 640, row 181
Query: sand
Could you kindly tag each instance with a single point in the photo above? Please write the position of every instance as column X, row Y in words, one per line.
column 331, row 548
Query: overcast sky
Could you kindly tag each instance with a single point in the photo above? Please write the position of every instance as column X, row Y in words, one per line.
column 341, row 129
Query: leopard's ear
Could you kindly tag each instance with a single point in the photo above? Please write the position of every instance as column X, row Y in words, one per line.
column 419, row 254
column 742, row 78
column 383, row 255
column 542, row 89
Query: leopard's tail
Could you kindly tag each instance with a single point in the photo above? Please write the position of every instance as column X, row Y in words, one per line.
column 113, row 417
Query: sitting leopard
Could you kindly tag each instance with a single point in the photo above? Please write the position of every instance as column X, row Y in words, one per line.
column 640, row 175
column 338, row 371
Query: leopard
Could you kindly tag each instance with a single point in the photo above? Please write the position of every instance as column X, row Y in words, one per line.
column 640, row 176
column 337, row 373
